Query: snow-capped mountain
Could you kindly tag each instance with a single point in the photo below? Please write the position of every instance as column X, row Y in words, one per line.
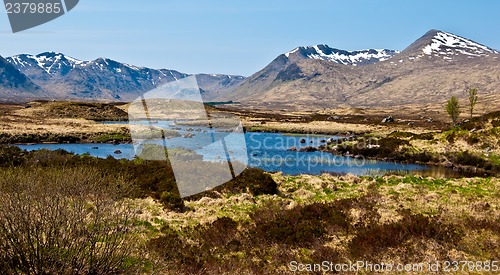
column 102, row 78
column 58, row 64
column 52, row 63
column 324, row 52
column 291, row 66
column 430, row 70
column 433, row 68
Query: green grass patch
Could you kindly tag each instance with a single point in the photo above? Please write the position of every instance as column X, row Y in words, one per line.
column 112, row 137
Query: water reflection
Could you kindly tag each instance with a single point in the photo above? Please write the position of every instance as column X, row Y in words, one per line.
column 269, row 151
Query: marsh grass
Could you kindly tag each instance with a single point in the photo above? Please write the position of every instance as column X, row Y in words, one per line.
column 403, row 219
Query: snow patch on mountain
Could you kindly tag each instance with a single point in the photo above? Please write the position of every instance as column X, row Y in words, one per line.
column 53, row 63
column 50, row 62
column 293, row 51
column 448, row 44
column 324, row 52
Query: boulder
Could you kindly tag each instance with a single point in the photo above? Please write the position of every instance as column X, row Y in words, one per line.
column 118, row 152
column 308, row 149
column 333, row 118
column 448, row 164
column 188, row 135
column 388, row 119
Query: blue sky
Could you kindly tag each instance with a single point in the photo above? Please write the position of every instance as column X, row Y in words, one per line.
column 241, row 37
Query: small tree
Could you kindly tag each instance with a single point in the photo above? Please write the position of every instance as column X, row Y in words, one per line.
column 453, row 109
column 472, row 93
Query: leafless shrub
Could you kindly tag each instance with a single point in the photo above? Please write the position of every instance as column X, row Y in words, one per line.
column 62, row 221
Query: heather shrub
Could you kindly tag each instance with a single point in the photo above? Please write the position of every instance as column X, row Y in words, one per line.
column 300, row 226
column 376, row 238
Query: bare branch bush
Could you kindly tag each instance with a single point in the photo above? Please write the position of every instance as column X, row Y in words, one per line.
column 63, row 221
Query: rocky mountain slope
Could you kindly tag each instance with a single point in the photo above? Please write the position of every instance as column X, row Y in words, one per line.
column 429, row 71
column 14, row 84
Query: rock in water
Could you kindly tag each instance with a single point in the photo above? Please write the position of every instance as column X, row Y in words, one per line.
column 308, row 149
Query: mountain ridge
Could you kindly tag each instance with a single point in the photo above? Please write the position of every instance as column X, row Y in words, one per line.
column 430, row 70
column 66, row 77
column 326, row 53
